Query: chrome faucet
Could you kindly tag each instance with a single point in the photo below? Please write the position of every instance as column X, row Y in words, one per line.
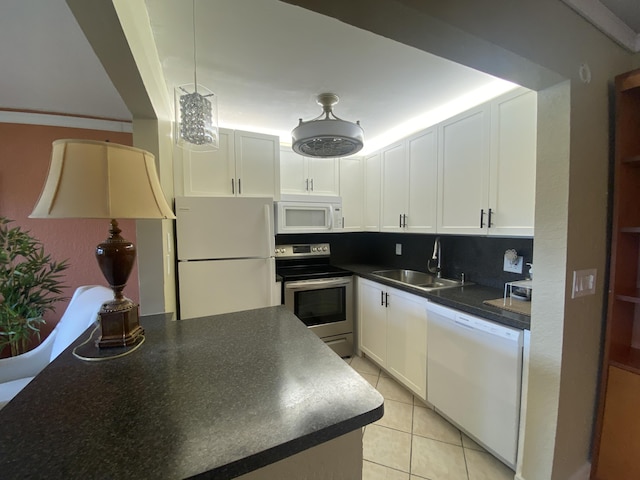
column 437, row 254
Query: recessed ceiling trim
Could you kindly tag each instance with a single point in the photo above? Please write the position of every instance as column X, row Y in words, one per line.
column 606, row 21
column 29, row 118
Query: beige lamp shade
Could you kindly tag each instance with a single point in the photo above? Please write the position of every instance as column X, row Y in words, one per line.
column 90, row 179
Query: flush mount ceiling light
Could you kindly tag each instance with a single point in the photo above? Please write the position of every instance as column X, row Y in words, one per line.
column 327, row 135
column 196, row 111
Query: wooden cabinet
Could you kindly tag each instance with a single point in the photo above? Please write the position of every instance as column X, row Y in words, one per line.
column 305, row 175
column 393, row 333
column 246, row 164
column 371, row 202
column 617, row 431
column 486, row 168
column 352, row 193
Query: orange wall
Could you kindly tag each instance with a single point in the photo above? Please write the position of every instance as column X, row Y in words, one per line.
column 25, row 151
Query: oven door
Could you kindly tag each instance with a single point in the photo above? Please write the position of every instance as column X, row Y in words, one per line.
column 324, row 305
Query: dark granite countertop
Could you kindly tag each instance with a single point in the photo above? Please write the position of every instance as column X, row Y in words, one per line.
column 468, row 299
column 211, row 397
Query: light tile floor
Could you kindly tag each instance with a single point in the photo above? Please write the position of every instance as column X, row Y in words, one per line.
column 412, row 442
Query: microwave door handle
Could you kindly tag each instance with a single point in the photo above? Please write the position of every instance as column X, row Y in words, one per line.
column 269, row 230
column 330, row 217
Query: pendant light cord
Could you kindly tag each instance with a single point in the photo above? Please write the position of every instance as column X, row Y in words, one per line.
column 195, row 74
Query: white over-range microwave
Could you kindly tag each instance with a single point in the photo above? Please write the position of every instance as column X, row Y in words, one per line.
column 308, row 214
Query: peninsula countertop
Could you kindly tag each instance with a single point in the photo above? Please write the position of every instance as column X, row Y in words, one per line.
column 215, row 396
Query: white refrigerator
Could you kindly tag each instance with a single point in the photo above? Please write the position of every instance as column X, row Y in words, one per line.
column 225, row 251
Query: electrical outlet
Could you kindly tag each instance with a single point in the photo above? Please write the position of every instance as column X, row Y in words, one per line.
column 398, row 249
column 509, row 266
column 584, row 282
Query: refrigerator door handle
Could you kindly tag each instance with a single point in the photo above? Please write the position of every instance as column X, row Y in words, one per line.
column 269, row 230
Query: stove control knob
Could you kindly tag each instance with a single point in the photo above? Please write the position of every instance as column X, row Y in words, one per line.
column 313, row 249
column 324, row 249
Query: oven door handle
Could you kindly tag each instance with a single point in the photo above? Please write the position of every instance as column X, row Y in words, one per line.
column 316, row 284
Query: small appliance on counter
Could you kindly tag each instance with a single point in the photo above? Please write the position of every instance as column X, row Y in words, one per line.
column 318, row 293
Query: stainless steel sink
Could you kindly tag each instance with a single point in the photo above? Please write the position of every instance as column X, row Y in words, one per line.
column 425, row 281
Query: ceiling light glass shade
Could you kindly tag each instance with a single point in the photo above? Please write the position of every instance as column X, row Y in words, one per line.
column 327, row 135
column 196, row 122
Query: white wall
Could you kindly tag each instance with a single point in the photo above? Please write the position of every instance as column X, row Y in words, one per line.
column 540, row 45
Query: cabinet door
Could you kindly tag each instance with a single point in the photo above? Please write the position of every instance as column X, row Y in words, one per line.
column 293, row 172
column 323, row 176
column 407, row 340
column 352, row 194
column 372, row 193
column 394, row 188
column 620, row 441
column 372, row 320
column 513, row 164
column 423, row 182
column 210, row 173
column 463, row 169
column 257, row 164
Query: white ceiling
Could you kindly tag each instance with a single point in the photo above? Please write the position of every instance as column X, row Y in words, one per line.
column 266, row 60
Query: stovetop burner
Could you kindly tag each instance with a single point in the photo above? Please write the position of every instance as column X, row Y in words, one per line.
column 305, row 262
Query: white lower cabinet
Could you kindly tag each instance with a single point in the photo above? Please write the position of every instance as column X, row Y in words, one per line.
column 393, row 333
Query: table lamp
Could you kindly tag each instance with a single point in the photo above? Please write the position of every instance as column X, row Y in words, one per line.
column 90, row 179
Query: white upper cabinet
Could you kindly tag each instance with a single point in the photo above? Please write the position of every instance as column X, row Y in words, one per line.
column 352, row 193
column 395, row 174
column 409, row 184
column 371, row 170
column 422, row 153
column 306, row 175
column 513, row 164
column 246, row 164
column 463, row 172
column 486, row 168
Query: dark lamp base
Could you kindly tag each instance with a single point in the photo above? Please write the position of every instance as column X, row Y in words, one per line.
column 119, row 324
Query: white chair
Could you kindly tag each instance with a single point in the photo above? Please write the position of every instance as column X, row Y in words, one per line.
column 82, row 311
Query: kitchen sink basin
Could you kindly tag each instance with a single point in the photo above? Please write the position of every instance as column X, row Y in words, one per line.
column 425, row 281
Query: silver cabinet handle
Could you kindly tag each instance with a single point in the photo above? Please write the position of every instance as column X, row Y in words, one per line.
column 312, row 184
column 307, row 185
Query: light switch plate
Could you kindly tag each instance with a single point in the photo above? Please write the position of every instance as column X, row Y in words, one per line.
column 584, row 282
column 513, row 267
column 398, row 249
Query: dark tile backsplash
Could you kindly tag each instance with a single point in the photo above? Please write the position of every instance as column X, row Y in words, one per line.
column 479, row 258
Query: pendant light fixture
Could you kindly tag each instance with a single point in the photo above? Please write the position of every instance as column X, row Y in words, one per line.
column 327, row 135
column 196, row 110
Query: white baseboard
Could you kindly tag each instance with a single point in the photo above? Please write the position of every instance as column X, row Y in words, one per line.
column 582, row 473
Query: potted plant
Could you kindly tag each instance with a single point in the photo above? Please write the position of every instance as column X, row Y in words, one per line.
column 30, row 284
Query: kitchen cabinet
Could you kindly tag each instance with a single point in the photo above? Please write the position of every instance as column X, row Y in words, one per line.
column 245, row 164
column 486, row 168
column 409, row 184
column 306, row 175
column 393, row 333
column 351, row 191
column 617, row 431
column 371, row 201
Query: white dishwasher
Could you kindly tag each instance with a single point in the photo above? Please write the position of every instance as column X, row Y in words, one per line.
column 474, row 377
